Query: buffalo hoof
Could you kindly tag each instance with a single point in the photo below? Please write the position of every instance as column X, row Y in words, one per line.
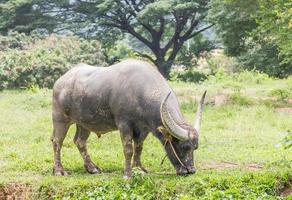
column 59, row 172
column 127, row 175
column 92, row 169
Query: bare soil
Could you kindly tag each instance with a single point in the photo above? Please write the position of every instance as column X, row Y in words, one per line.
column 287, row 190
column 284, row 110
column 231, row 165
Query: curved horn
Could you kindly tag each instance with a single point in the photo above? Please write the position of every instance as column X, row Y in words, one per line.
column 170, row 124
column 198, row 120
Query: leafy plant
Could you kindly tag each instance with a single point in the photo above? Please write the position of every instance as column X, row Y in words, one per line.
column 287, row 140
column 41, row 62
column 237, row 98
column 281, row 94
column 188, row 76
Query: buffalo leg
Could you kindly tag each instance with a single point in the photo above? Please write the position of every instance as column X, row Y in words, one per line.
column 138, row 147
column 80, row 140
column 59, row 134
column 127, row 137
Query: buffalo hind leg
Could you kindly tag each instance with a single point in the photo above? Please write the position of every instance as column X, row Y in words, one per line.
column 80, row 140
column 138, row 147
column 127, row 137
column 59, row 134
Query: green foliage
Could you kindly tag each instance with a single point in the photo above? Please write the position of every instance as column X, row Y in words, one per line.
column 287, row 140
column 274, row 25
column 281, row 94
column 252, row 76
column 118, row 52
column 14, row 40
column 217, row 60
column 24, row 16
column 263, row 56
column 188, row 76
column 256, row 33
column 162, row 26
column 233, row 22
column 237, row 98
column 190, row 52
column 40, row 62
column 245, row 76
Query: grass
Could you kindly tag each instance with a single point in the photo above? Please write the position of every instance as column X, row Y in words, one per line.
column 245, row 130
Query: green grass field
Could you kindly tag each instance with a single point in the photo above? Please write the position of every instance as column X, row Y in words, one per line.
column 240, row 154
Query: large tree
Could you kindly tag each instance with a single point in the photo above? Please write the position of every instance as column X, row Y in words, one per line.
column 257, row 32
column 162, row 25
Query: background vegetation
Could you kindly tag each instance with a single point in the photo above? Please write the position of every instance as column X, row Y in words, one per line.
column 257, row 32
column 240, row 51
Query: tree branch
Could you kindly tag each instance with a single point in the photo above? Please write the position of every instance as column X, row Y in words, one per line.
column 180, row 23
column 200, row 31
column 132, row 31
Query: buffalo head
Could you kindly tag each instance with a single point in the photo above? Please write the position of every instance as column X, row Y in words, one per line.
column 181, row 139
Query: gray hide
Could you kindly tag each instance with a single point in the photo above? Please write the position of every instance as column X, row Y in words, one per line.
column 131, row 96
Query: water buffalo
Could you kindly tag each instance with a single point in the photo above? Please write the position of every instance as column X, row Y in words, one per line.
column 131, row 96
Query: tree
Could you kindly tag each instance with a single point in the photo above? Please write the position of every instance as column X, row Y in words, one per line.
column 24, row 16
column 274, row 21
column 162, row 25
column 256, row 33
column 233, row 21
column 189, row 54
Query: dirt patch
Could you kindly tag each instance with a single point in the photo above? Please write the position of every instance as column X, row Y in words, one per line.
column 284, row 110
column 220, row 99
column 287, row 189
column 231, row 165
column 18, row 191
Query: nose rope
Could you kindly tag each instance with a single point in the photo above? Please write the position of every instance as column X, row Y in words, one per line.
column 167, row 140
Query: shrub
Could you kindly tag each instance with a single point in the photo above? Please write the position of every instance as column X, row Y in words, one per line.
column 188, row 76
column 41, row 61
column 252, row 76
column 14, row 40
column 287, row 140
column 217, row 60
column 245, row 76
column 238, row 99
column 281, row 94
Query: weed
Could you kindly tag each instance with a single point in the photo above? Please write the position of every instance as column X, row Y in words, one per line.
column 281, row 94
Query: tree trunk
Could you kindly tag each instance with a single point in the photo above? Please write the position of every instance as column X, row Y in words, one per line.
column 164, row 67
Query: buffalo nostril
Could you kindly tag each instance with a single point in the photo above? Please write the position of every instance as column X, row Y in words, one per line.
column 182, row 171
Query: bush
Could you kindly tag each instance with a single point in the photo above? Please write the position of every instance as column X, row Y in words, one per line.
column 188, row 76
column 217, row 60
column 287, row 140
column 14, row 40
column 264, row 56
column 245, row 76
column 281, row 94
column 238, row 99
column 41, row 61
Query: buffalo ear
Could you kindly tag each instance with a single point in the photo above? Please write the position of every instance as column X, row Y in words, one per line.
column 164, row 132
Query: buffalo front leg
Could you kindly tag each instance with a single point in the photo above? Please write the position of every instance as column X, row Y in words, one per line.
column 80, row 140
column 138, row 147
column 59, row 134
column 127, row 137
